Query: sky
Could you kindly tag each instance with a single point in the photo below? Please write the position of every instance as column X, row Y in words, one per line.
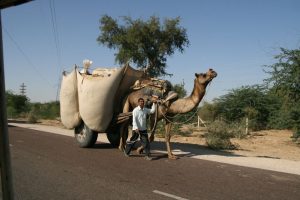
column 234, row 37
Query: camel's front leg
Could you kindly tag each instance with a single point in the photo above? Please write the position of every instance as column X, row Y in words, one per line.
column 152, row 122
column 124, row 127
column 168, row 127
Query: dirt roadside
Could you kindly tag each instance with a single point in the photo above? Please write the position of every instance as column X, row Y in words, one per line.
column 275, row 144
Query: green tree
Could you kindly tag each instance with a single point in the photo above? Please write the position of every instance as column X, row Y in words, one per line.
column 143, row 43
column 179, row 89
column 284, row 77
column 247, row 101
column 284, row 86
column 16, row 104
column 208, row 111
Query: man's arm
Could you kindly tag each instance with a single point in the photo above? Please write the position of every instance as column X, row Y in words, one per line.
column 154, row 100
column 134, row 124
column 153, row 108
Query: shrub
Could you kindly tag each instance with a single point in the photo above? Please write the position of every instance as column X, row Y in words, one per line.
column 218, row 136
column 48, row 110
column 237, row 130
column 185, row 130
column 32, row 118
column 11, row 112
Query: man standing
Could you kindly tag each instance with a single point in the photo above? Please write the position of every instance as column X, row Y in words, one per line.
column 139, row 127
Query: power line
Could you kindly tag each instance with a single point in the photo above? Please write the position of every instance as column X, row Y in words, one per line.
column 26, row 57
column 55, row 31
column 56, row 41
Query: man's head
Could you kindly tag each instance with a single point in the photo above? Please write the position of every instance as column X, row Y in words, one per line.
column 141, row 102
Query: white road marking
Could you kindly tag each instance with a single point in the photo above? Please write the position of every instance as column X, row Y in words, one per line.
column 169, row 195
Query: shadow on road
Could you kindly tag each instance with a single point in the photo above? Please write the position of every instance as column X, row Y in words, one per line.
column 100, row 145
column 159, row 150
column 189, row 150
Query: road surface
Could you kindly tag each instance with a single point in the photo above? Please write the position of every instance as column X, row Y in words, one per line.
column 50, row 166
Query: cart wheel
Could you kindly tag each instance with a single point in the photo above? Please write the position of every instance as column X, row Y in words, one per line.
column 113, row 138
column 84, row 136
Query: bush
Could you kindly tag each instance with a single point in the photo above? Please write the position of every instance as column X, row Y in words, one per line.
column 32, row 118
column 48, row 110
column 17, row 105
column 218, row 136
column 11, row 112
column 186, row 130
column 208, row 112
column 213, row 141
column 237, row 130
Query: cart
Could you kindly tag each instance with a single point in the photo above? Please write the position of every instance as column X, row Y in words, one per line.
column 92, row 103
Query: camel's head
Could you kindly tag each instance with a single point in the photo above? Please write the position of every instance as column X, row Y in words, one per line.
column 205, row 78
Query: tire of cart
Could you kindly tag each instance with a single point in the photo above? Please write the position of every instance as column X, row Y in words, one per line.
column 113, row 138
column 113, row 135
column 85, row 137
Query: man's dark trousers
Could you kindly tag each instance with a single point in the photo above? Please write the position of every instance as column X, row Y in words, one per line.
column 133, row 140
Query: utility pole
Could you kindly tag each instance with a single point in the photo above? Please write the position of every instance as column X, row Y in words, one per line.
column 23, row 89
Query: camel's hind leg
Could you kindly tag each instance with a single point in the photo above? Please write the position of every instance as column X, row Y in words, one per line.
column 168, row 127
column 124, row 135
column 124, row 127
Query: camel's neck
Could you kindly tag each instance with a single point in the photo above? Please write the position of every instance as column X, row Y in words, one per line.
column 187, row 104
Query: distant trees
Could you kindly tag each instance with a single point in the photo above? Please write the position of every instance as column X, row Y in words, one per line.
column 16, row 104
column 19, row 106
column 48, row 110
column 247, row 101
column 179, row 89
column 143, row 43
column 275, row 104
column 284, row 86
column 284, row 78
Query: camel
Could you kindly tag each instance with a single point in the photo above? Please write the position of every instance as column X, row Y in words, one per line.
column 168, row 109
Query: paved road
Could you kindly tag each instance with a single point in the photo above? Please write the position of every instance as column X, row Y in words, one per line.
column 195, row 151
column 50, row 166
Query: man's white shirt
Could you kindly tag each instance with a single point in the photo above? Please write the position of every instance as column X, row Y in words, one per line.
column 139, row 117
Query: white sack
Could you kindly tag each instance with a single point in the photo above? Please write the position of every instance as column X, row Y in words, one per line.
column 96, row 98
column 69, row 109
